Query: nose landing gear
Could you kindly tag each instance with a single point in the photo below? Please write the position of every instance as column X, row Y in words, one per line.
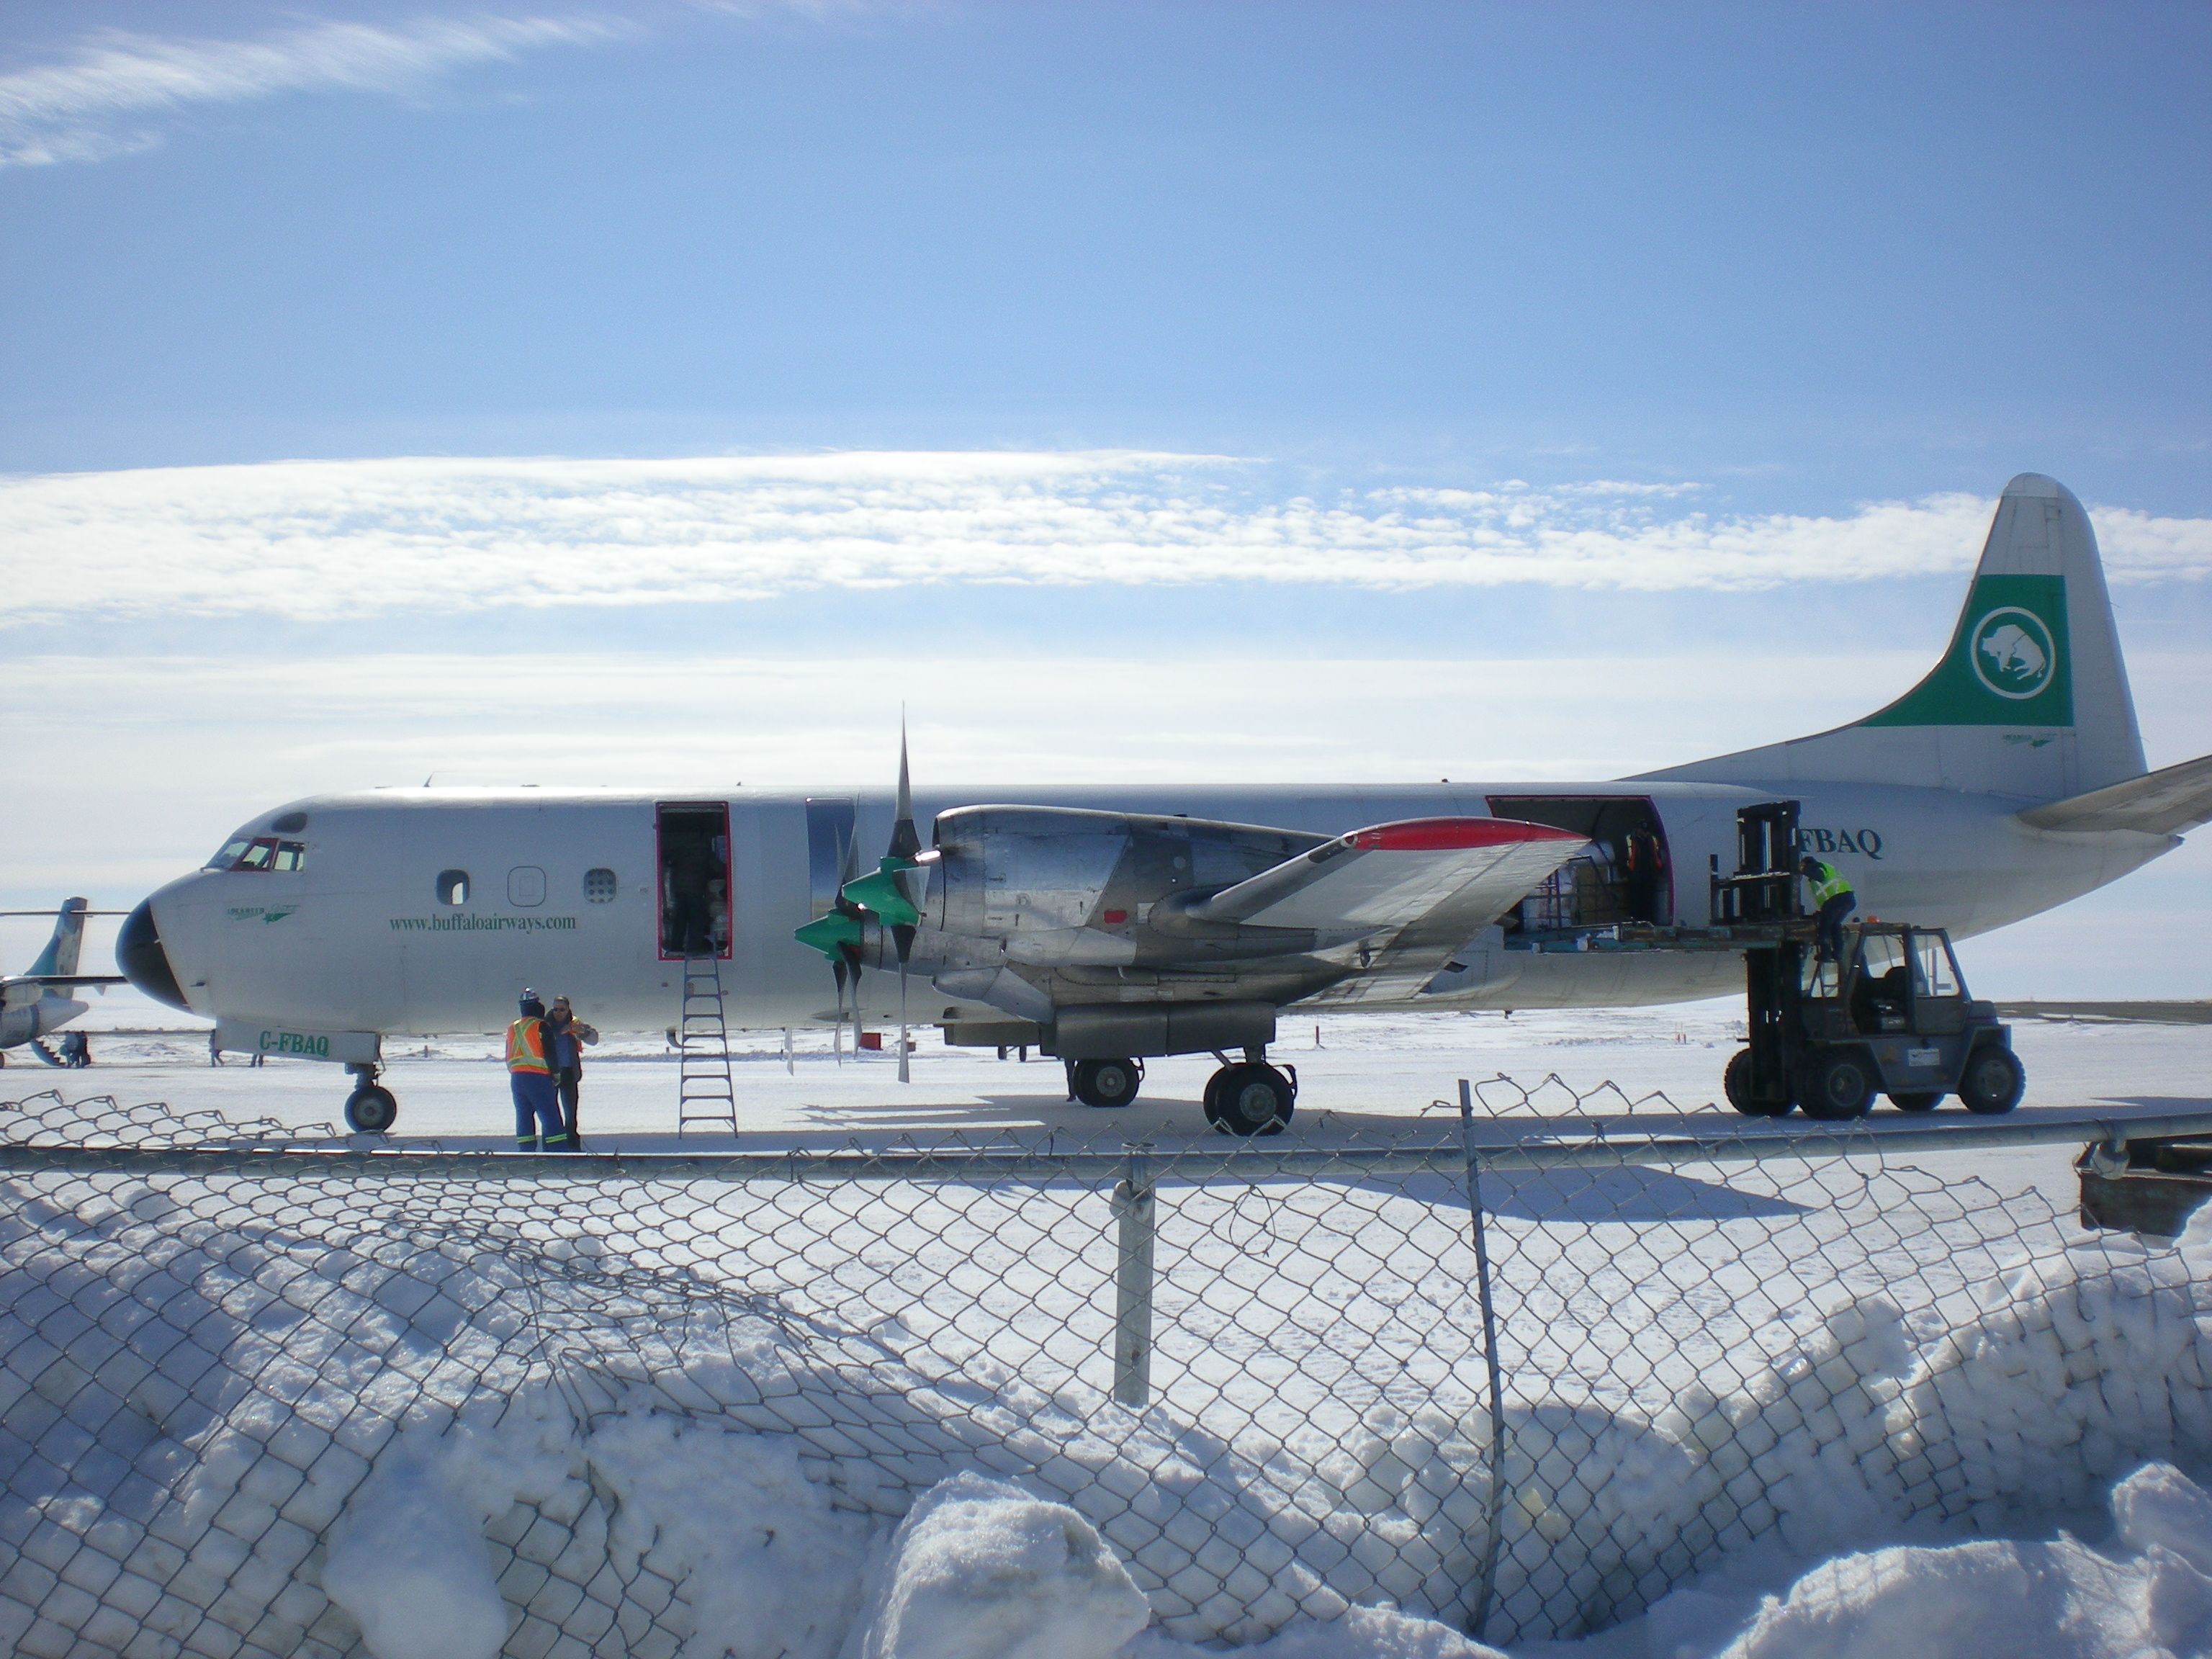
column 1251, row 1096
column 371, row 1109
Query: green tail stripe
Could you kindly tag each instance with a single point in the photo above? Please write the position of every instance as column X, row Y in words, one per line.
column 2010, row 663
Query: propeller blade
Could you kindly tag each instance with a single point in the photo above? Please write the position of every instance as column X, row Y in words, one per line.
column 837, row 1031
column 906, row 844
column 904, row 1077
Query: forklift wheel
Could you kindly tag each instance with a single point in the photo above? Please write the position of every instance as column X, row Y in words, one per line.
column 1836, row 1084
column 1922, row 1102
column 1993, row 1081
column 1735, row 1082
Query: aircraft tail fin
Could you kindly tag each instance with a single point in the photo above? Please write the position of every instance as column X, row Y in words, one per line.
column 59, row 959
column 2030, row 699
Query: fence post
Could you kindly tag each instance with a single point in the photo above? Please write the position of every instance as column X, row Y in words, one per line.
column 1132, row 1285
column 1485, row 1585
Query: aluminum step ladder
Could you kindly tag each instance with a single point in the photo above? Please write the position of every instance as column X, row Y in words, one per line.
column 704, row 1094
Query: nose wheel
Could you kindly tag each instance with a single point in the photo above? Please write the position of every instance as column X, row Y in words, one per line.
column 1251, row 1098
column 371, row 1109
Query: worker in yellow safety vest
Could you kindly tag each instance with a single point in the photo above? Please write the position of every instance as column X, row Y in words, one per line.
column 1832, row 900
column 530, row 1077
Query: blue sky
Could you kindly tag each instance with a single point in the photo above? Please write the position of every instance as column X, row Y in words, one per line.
column 1687, row 341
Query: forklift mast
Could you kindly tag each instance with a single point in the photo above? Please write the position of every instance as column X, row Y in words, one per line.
column 1764, row 888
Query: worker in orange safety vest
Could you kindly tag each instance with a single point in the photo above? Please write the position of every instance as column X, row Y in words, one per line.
column 530, row 1076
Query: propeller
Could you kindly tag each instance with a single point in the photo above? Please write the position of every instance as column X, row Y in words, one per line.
column 881, row 893
column 837, row 934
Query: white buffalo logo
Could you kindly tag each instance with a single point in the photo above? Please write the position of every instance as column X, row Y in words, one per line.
column 2013, row 653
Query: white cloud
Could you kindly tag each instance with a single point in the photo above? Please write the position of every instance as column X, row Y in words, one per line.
column 326, row 540
column 99, row 102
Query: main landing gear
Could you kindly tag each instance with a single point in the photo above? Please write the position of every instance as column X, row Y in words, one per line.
column 371, row 1109
column 1244, row 1097
column 1105, row 1082
column 1250, row 1096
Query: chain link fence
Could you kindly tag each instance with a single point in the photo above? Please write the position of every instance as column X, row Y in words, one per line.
column 1523, row 1376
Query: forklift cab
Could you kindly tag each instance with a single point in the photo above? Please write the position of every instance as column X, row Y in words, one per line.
column 1892, row 980
column 1893, row 1017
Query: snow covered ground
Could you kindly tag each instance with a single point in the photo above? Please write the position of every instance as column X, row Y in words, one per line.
column 1359, row 1074
column 1791, row 1408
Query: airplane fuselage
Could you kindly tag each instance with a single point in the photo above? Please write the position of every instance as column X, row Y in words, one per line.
column 424, row 911
column 21, row 1022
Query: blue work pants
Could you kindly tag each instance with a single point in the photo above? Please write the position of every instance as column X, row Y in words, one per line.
column 536, row 1106
column 1831, row 925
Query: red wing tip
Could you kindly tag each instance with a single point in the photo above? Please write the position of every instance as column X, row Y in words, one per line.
column 1454, row 834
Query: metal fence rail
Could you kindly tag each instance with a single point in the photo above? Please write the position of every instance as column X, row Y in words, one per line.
column 1522, row 1376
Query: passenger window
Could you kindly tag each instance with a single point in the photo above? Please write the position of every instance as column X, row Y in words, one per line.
column 526, row 886
column 599, row 885
column 452, row 887
column 1935, row 974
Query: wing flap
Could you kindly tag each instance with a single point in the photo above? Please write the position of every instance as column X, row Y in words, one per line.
column 1394, row 875
column 2161, row 803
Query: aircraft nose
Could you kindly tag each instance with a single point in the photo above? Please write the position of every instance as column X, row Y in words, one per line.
column 139, row 954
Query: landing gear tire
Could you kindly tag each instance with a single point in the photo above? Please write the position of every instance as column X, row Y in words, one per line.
column 1836, row 1085
column 1106, row 1082
column 1916, row 1102
column 371, row 1109
column 1735, row 1083
column 1993, row 1082
column 1250, row 1098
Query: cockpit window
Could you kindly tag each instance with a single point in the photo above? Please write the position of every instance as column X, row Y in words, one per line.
column 229, row 856
column 264, row 853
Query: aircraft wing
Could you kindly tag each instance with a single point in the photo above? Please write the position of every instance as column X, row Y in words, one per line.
column 2161, row 803
column 1411, row 893
column 21, row 990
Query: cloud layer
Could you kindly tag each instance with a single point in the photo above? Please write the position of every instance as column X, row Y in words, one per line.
column 105, row 99
column 328, row 540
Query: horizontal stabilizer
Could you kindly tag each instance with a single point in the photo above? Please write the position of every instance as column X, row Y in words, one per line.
column 2161, row 803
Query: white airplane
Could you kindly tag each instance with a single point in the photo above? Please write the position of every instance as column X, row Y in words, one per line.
column 32, row 1005
column 1112, row 924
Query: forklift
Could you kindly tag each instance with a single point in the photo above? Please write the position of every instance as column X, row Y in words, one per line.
column 1893, row 1017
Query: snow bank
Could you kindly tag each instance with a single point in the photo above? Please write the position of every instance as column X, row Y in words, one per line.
column 981, row 1570
column 628, row 1417
column 2072, row 1369
column 767, row 1566
column 2146, row 1597
column 1361, row 1633
column 408, row 1561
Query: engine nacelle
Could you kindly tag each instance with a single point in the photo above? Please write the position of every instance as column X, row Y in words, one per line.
column 1005, row 872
